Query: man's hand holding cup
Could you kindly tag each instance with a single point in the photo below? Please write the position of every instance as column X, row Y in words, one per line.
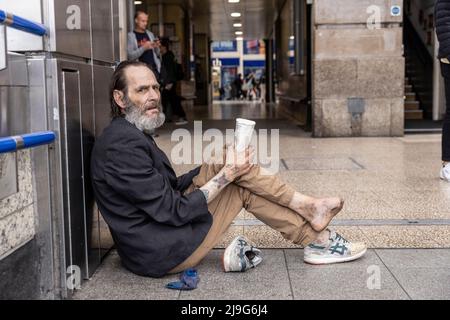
column 237, row 163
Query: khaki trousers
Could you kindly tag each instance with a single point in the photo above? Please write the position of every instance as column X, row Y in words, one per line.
column 265, row 196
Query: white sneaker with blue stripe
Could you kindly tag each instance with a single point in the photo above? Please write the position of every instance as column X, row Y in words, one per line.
column 240, row 256
column 337, row 250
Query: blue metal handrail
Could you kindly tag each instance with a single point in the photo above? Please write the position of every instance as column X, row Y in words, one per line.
column 20, row 23
column 14, row 143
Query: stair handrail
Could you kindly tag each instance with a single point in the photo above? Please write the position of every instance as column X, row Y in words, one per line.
column 17, row 22
column 29, row 140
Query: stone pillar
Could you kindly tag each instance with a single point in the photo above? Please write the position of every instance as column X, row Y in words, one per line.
column 17, row 220
column 358, row 68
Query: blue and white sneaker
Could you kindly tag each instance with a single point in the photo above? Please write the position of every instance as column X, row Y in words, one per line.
column 338, row 250
column 240, row 256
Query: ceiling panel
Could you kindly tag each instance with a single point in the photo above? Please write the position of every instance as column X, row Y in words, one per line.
column 257, row 16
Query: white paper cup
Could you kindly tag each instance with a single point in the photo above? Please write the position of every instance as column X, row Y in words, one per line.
column 243, row 133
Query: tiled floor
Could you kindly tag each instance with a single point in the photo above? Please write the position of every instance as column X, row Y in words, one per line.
column 227, row 110
column 386, row 274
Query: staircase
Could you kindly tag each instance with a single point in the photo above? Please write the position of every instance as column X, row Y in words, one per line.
column 412, row 105
column 418, row 76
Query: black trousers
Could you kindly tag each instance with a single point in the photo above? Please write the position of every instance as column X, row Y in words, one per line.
column 170, row 99
column 445, row 68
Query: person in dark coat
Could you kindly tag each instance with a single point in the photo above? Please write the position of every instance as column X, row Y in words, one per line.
column 442, row 17
column 170, row 74
column 238, row 85
column 163, row 224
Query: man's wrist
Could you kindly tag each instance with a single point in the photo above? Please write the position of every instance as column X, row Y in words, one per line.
column 226, row 172
column 222, row 179
column 205, row 193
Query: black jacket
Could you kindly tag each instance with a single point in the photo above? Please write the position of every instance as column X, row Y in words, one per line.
column 168, row 68
column 442, row 17
column 154, row 226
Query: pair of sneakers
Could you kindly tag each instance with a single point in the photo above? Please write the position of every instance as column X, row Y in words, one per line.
column 445, row 172
column 240, row 256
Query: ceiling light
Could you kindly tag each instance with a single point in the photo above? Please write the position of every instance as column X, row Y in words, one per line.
column 235, row 14
column 138, row 2
column 239, row 38
column 233, row 1
column 239, row 33
column 292, row 37
column 237, row 25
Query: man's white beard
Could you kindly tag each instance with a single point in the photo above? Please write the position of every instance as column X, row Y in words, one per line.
column 143, row 122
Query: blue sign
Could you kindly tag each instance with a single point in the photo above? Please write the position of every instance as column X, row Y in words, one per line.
column 396, row 11
column 228, row 62
column 254, row 63
column 224, row 46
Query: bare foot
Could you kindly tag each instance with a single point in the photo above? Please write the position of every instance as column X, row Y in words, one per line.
column 322, row 211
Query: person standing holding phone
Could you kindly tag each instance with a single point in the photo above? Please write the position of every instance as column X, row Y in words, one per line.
column 143, row 45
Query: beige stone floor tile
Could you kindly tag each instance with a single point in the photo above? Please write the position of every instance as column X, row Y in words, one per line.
column 265, row 237
column 418, row 205
column 245, row 215
column 400, row 237
column 440, row 234
column 427, row 182
column 242, row 215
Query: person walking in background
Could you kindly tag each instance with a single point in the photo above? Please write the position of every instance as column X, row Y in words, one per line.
column 170, row 74
column 263, row 89
column 250, row 86
column 245, row 88
column 258, row 89
column 442, row 16
column 238, row 85
column 221, row 93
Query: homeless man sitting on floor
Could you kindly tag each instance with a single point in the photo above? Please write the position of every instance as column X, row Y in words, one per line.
column 163, row 224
